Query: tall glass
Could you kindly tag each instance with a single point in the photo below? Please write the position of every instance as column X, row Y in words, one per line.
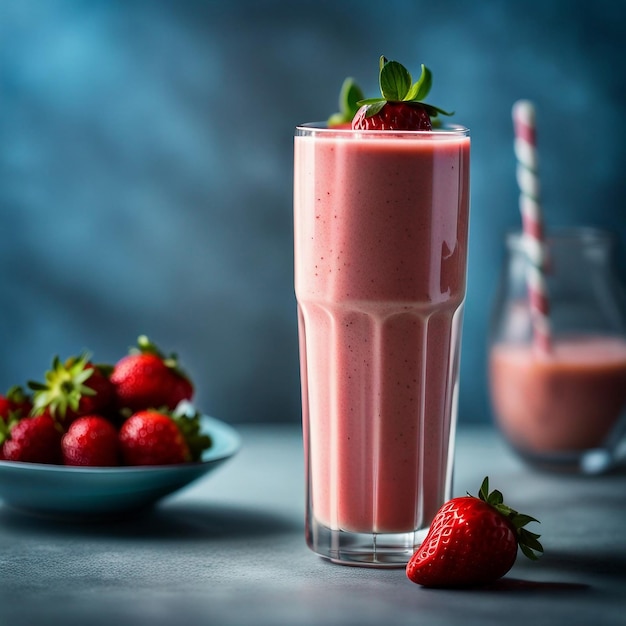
column 381, row 229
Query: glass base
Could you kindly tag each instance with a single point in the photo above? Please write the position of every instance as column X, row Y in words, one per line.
column 593, row 461
column 382, row 550
column 563, row 461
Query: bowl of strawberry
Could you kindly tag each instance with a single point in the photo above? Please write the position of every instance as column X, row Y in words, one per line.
column 97, row 440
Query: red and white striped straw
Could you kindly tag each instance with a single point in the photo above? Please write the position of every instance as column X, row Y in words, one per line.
column 532, row 220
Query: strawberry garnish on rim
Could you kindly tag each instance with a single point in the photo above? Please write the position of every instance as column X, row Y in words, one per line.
column 401, row 106
column 349, row 97
column 473, row 541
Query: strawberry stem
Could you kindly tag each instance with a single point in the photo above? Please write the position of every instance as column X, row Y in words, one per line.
column 528, row 541
column 64, row 386
column 396, row 85
column 188, row 421
column 146, row 346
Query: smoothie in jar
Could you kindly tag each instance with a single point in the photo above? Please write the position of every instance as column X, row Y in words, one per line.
column 562, row 405
column 381, row 228
column 567, row 400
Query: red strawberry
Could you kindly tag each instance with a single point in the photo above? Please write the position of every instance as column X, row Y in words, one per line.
column 91, row 440
column 32, row 439
column 15, row 404
column 146, row 379
column 401, row 106
column 472, row 541
column 5, row 408
column 161, row 438
column 71, row 389
column 393, row 116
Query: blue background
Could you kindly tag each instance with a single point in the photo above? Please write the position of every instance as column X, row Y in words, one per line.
column 146, row 165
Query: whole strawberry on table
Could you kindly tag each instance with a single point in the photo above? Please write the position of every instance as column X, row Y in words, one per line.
column 134, row 412
column 473, row 541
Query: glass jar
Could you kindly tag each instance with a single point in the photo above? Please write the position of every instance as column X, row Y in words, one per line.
column 562, row 407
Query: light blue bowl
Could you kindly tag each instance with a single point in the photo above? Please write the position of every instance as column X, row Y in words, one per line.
column 94, row 493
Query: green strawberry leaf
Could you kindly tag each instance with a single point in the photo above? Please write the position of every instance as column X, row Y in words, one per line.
column 529, row 545
column 349, row 97
column 531, row 540
column 519, row 520
column 495, row 498
column 527, row 552
column 5, row 430
column 375, row 107
column 528, row 541
column 483, row 492
column 371, row 101
column 434, row 111
column 188, row 421
column 63, row 388
column 420, row 89
column 395, row 81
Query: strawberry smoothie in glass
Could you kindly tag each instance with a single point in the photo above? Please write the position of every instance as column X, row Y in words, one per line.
column 381, row 228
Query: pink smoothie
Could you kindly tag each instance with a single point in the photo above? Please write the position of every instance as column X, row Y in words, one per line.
column 381, row 228
column 566, row 401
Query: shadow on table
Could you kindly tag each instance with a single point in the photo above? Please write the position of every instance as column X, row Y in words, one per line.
column 175, row 521
column 517, row 585
column 584, row 565
column 611, row 564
